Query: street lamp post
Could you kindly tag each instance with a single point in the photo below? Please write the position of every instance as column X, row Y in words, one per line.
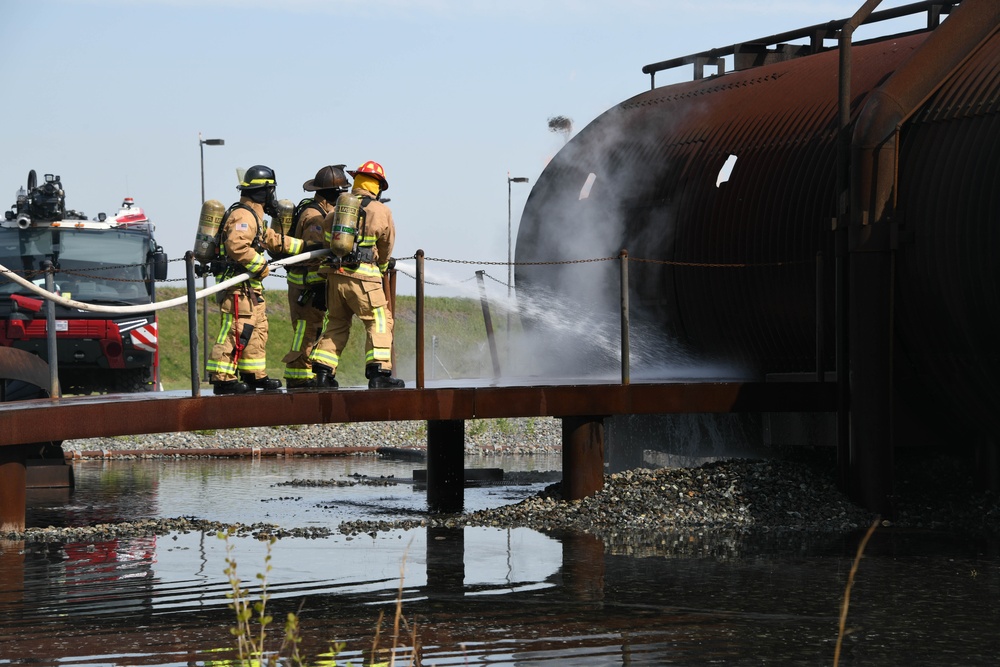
column 510, row 259
column 204, row 279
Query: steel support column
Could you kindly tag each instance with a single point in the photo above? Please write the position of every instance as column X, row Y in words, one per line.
column 583, row 456
column 871, row 334
column 446, row 465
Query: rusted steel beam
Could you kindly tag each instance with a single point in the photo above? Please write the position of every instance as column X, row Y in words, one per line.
column 676, row 398
column 130, row 414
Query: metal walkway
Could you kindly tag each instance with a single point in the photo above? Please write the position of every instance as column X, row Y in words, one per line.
column 27, row 427
column 167, row 412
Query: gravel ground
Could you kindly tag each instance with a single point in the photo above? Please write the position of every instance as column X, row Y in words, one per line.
column 493, row 436
column 639, row 510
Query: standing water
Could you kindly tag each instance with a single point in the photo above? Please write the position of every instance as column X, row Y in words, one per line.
column 469, row 595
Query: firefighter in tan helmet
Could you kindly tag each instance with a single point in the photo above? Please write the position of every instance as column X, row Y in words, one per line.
column 360, row 234
column 241, row 344
column 306, row 285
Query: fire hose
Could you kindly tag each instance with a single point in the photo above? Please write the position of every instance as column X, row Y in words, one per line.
column 147, row 307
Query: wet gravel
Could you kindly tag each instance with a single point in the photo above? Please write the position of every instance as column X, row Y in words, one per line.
column 642, row 510
column 492, row 436
column 740, row 496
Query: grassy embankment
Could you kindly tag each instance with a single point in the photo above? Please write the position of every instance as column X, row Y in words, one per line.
column 462, row 349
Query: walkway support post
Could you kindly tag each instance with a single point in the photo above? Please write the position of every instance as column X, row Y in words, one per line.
column 491, row 339
column 445, row 465
column 583, row 456
column 626, row 353
column 389, row 289
column 419, row 257
column 192, row 323
column 50, row 330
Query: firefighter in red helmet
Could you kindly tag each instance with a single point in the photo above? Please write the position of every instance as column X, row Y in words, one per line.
column 354, row 280
column 241, row 344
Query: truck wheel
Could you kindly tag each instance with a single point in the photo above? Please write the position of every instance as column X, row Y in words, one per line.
column 132, row 381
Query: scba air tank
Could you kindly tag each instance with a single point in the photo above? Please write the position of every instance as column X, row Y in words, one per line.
column 282, row 222
column 205, row 247
column 345, row 224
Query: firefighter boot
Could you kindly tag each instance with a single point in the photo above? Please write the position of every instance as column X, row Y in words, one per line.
column 381, row 379
column 325, row 378
column 229, row 387
column 265, row 383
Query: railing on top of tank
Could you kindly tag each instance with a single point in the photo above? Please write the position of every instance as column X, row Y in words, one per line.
column 756, row 52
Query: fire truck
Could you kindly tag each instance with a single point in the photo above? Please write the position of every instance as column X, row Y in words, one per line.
column 110, row 261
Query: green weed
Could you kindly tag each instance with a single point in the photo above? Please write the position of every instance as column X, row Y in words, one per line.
column 253, row 624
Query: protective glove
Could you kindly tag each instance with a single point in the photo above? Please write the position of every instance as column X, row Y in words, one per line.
column 319, row 297
column 391, row 264
column 264, row 272
column 309, row 247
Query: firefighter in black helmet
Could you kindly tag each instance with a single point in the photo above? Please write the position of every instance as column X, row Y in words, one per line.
column 241, row 344
column 306, row 285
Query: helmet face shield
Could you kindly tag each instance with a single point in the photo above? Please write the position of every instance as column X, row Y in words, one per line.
column 271, row 201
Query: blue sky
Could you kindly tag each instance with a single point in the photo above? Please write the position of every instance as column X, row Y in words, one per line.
column 450, row 96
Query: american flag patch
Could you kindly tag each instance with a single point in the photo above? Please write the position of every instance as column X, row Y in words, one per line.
column 243, row 225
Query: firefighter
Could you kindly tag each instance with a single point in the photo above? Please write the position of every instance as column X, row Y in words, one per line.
column 354, row 284
column 240, row 345
column 306, row 285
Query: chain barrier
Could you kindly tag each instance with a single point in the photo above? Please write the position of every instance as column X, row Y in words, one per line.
column 722, row 265
column 741, row 265
column 84, row 272
column 495, row 279
column 467, row 261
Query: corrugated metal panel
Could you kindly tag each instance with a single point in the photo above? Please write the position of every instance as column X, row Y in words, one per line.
column 657, row 157
column 949, row 286
column 733, row 276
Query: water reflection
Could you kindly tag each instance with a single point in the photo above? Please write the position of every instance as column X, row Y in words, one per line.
column 476, row 595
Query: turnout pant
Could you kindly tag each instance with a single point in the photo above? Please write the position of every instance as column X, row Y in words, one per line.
column 239, row 312
column 307, row 327
column 347, row 297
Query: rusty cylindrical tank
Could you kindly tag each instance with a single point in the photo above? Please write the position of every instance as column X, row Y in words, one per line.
column 724, row 272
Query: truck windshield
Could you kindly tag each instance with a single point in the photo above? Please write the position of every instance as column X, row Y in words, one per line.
column 93, row 265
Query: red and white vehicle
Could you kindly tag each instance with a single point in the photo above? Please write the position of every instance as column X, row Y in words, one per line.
column 107, row 261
